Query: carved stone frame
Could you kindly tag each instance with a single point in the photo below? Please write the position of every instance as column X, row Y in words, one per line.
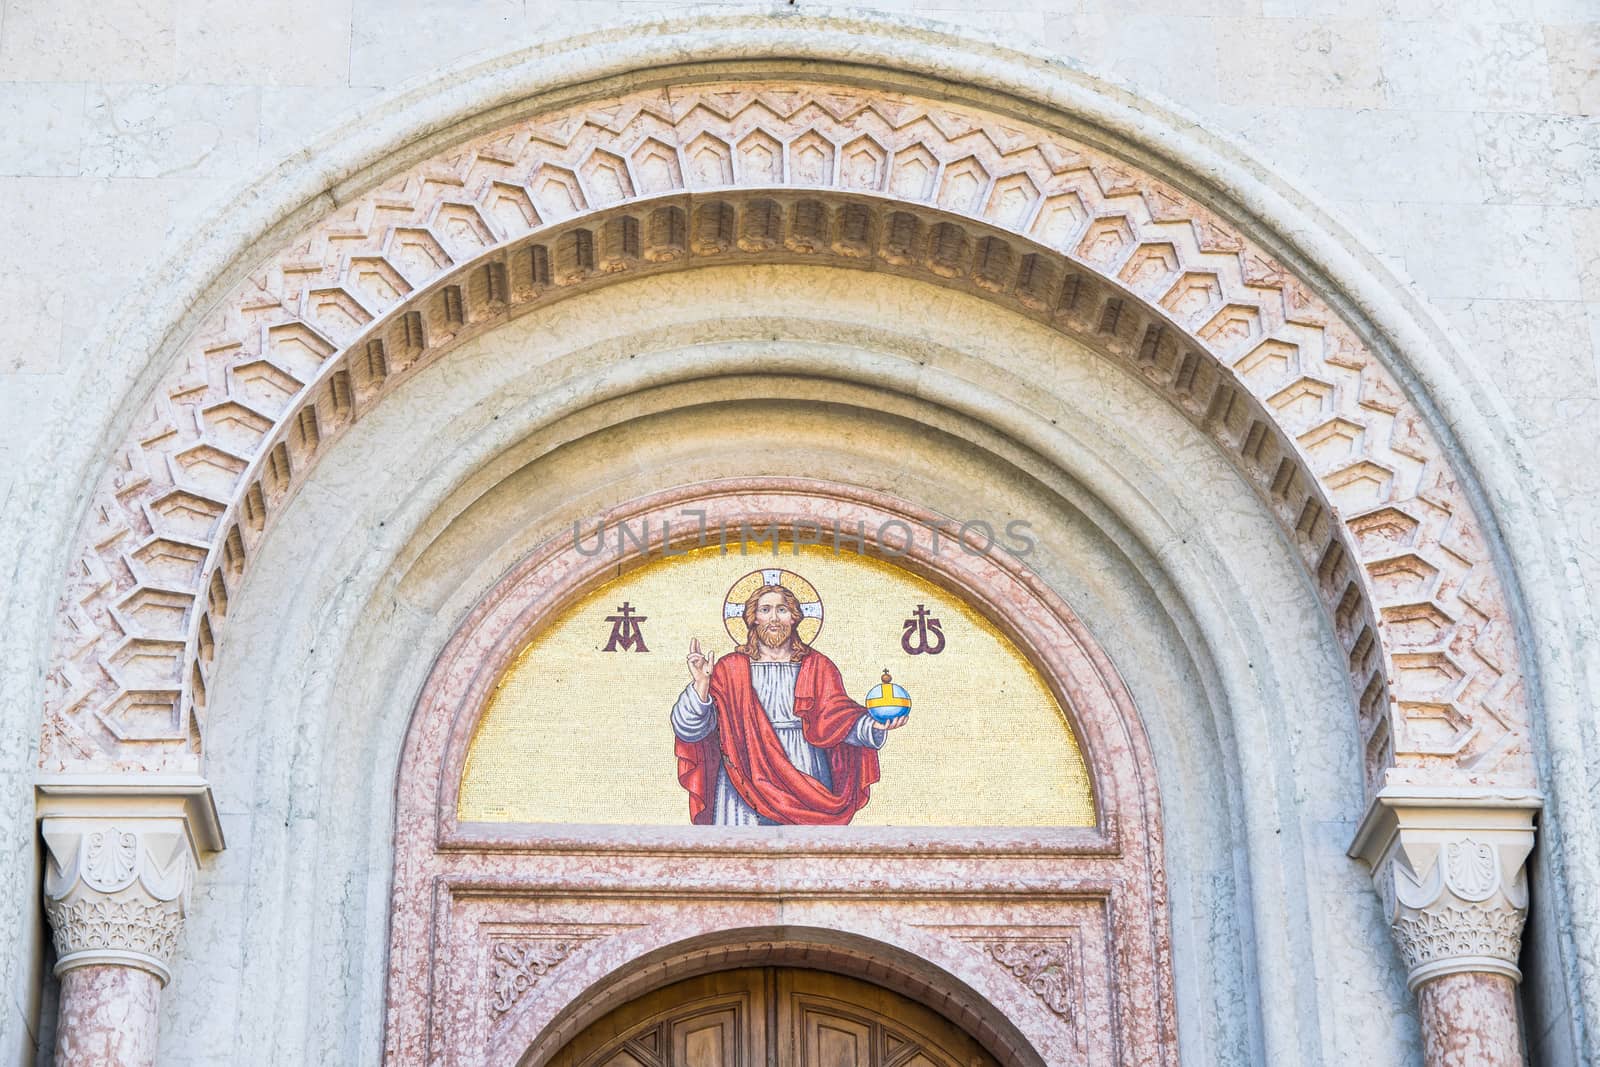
column 508, row 939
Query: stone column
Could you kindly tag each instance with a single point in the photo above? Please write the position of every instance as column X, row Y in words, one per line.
column 1448, row 865
column 120, row 855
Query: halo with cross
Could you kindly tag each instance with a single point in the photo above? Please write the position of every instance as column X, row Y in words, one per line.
column 810, row 624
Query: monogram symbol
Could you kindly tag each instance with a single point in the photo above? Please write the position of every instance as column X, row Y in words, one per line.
column 926, row 630
column 625, row 633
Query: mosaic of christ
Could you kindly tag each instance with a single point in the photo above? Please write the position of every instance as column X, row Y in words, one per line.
column 767, row 734
column 703, row 689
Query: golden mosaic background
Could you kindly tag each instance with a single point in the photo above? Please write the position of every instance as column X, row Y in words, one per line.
column 573, row 734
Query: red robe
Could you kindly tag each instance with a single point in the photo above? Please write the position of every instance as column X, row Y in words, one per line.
column 747, row 745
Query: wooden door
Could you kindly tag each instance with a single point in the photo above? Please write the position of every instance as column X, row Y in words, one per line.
column 772, row 1017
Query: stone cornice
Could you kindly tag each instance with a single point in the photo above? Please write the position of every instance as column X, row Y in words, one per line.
column 146, row 795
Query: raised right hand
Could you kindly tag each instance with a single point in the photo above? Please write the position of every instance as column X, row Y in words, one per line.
column 700, row 668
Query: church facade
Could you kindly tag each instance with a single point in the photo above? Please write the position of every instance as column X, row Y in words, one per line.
column 639, row 535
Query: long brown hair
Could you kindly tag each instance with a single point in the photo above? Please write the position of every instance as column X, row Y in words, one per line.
column 752, row 642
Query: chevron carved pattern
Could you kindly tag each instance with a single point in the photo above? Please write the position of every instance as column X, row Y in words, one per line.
column 670, row 179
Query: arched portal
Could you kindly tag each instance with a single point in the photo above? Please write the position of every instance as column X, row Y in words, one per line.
column 776, row 1015
column 915, row 979
column 1005, row 201
column 491, row 917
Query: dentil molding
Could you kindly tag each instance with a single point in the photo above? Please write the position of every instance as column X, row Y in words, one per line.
column 1449, row 867
column 120, row 857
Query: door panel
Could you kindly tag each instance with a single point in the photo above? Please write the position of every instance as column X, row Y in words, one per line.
column 716, row 1020
column 773, row 1017
column 830, row 1041
column 707, row 1040
column 817, row 1011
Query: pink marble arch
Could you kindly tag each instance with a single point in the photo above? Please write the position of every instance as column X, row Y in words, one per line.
column 1049, row 945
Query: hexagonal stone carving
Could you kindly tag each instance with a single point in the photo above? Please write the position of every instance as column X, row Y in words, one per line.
column 299, row 349
column 556, row 192
column 381, row 286
column 337, row 312
column 1404, row 577
column 1302, row 401
column 511, row 207
column 1418, row 625
column 1106, row 241
column 656, row 164
column 861, row 164
column 147, row 662
column 1361, row 485
column 153, row 612
column 761, row 158
column 1234, row 325
column 962, row 186
column 463, row 229
column 811, row 160
column 1150, row 268
column 417, row 254
column 167, row 562
column 185, row 514
column 606, row 177
column 144, row 715
column 1059, row 220
column 913, row 173
column 1333, row 442
column 1192, row 295
column 208, row 469
column 1011, row 201
column 1381, row 531
column 710, row 161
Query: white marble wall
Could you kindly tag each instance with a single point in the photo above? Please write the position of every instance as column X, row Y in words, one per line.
column 1459, row 140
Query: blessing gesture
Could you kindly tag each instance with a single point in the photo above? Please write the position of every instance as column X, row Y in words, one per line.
column 700, row 668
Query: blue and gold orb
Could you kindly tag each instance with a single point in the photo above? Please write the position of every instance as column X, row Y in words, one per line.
column 887, row 701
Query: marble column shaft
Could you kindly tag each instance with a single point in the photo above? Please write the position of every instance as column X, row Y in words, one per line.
column 1470, row 1020
column 108, row 1016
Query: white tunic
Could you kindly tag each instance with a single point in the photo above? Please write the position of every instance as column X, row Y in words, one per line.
column 694, row 719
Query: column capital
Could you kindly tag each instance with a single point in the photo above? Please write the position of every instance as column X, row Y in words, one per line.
column 1448, row 865
column 120, row 855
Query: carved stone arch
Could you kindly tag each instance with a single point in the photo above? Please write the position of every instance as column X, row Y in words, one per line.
column 505, row 938
column 996, row 203
column 911, row 974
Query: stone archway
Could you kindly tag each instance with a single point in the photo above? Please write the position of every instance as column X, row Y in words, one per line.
column 757, row 962
column 504, row 939
column 962, row 195
column 784, row 169
column 793, row 947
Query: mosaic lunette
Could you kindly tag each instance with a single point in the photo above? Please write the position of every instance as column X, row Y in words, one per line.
column 579, row 730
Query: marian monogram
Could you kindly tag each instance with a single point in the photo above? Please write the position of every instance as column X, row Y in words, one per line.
column 626, row 635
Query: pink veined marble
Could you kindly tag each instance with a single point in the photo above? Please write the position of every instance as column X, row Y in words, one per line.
column 1470, row 1020
column 108, row 1017
column 507, row 939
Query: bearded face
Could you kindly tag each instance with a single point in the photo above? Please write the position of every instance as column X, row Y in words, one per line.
column 775, row 633
column 772, row 617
